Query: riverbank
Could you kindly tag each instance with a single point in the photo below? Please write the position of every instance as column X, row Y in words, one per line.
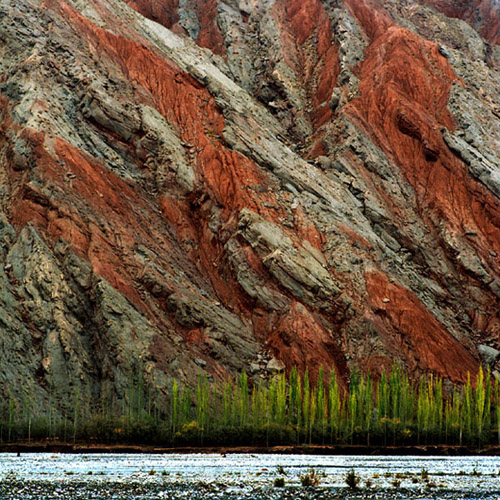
column 94, row 490
column 51, row 476
column 355, row 450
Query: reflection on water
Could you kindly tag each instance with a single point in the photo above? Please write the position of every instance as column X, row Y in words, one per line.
column 239, row 475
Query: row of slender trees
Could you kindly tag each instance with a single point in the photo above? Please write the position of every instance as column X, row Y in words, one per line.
column 393, row 410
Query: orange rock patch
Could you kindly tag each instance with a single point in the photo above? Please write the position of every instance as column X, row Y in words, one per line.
column 413, row 333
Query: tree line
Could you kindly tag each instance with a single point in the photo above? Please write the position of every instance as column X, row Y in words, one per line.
column 393, row 410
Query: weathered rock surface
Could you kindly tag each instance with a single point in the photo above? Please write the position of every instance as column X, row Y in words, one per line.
column 484, row 15
column 191, row 187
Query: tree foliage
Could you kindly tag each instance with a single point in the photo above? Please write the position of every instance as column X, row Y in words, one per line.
column 393, row 410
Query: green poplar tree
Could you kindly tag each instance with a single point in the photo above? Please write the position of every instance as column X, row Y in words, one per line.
column 321, row 404
column 497, row 407
column 334, row 404
column 175, row 406
column 281, row 400
column 481, row 406
column 306, row 401
column 313, row 409
column 243, row 404
column 468, row 409
column 227, row 402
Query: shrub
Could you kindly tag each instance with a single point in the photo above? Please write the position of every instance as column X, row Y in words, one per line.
column 279, row 482
column 352, row 479
column 280, row 470
column 396, row 483
column 311, row 478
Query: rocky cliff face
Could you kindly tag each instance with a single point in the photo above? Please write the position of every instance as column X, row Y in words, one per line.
column 207, row 186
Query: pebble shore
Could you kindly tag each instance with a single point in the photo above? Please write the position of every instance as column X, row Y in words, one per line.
column 138, row 490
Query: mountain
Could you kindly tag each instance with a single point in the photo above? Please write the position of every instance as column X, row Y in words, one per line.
column 206, row 186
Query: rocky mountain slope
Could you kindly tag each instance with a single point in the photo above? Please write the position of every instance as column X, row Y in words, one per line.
column 192, row 186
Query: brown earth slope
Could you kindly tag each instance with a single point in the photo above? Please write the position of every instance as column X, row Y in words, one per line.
column 210, row 186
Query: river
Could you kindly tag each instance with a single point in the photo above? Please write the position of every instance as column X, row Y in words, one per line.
column 44, row 476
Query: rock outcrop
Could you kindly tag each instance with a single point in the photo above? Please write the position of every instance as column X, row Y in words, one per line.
column 205, row 187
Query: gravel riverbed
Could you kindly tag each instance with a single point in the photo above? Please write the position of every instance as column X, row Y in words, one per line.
column 241, row 476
